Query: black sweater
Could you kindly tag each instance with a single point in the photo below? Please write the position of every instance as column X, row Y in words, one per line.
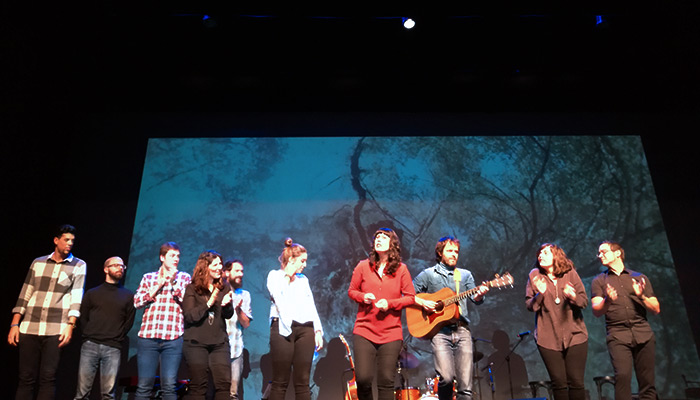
column 106, row 314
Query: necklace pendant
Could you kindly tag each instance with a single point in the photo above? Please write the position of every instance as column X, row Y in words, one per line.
column 557, row 301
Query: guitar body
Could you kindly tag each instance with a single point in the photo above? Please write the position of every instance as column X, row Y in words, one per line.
column 351, row 393
column 423, row 324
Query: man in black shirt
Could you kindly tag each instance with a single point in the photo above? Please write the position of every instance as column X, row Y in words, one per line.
column 107, row 314
column 624, row 296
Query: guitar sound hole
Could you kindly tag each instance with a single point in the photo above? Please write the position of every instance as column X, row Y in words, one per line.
column 439, row 306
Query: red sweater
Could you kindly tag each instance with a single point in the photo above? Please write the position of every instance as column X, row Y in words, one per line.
column 373, row 324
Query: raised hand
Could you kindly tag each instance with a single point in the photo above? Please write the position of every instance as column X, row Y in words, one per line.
column 638, row 286
column 569, row 291
column 540, row 283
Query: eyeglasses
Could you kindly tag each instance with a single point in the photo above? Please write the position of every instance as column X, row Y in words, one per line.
column 117, row 266
column 602, row 253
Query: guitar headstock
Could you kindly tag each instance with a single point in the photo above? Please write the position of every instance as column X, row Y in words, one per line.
column 501, row 281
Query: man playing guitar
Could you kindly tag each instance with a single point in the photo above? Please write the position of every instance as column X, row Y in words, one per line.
column 452, row 344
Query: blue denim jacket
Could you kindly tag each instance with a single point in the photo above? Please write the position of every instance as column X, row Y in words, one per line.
column 432, row 279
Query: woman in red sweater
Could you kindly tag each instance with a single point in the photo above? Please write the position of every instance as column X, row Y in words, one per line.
column 382, row 287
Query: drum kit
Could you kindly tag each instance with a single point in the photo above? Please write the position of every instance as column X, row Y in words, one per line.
column 430, row 389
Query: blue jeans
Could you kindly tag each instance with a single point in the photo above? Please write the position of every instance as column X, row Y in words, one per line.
column 150, row 353
column 452, row 354
column 236, row 371
column 92, row 356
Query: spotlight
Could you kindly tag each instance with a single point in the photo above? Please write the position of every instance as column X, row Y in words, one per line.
column 208, row 21
column 408, row 23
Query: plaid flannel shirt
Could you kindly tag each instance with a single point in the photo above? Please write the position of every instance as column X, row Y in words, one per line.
column 51, row 293
column 162, row 316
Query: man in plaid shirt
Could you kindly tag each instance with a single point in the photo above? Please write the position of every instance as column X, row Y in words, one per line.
column 45, row 314
column 160, row 337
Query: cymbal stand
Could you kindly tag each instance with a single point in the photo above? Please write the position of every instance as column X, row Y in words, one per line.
column 400, row 372
column 491, row 383
column 476, row 366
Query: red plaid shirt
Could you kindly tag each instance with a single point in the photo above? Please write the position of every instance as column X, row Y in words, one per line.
column 162, row 317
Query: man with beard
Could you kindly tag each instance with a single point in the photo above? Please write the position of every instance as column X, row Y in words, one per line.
column 45, row 314
column 233, row 271
column 452, row 345
column 106, row 315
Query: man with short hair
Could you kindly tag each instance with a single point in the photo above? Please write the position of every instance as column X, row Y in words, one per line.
column 233, row 271
column 624, row 296
column 43, row 319
column 452, row 344
column 160, row 293
column 106, row 315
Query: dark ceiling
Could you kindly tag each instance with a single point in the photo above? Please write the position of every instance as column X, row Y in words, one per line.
column 156, row 56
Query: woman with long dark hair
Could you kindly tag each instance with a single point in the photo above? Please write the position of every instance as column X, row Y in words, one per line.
column 206, row 306
column 295, row 327
column 382, row 286
column 555, row 293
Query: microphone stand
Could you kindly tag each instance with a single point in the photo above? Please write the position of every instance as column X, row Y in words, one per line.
column 476, row 365
column 507, row 359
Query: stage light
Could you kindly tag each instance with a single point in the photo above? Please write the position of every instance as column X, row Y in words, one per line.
column 208, row 21
column 408, row 23
column 598, row 19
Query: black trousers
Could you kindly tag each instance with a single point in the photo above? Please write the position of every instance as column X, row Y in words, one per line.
column 566, row 370
column 292, row 354
column 203, row 358
column 639, row 357
column 38, row 363
column 380, row 358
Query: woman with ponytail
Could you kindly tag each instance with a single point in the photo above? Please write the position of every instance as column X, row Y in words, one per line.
column 382, row 286
column 295, row 327
column 206, row 305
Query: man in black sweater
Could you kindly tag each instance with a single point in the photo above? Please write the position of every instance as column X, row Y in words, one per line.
column 107, row 314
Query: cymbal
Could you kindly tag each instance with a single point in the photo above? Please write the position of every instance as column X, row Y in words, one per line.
column 408, row 360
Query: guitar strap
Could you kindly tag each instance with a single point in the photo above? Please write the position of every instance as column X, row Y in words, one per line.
column 457, row 277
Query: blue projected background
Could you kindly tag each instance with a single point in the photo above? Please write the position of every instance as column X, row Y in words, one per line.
column 501, row 196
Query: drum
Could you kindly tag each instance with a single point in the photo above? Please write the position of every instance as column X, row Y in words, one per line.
column 431, row 385
column 429, row 396
column 409, row 393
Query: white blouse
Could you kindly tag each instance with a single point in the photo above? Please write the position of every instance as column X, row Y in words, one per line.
column 291, row 301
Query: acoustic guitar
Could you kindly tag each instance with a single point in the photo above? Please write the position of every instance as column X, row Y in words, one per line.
column 424, row 324
column 351, row 392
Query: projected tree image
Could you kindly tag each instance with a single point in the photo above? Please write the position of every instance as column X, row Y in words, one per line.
column 501, row 196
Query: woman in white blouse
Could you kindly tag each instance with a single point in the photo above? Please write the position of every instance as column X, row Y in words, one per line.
column 295, row 328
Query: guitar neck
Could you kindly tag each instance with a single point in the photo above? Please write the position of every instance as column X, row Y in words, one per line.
column 348, row 356
column 456, row 298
